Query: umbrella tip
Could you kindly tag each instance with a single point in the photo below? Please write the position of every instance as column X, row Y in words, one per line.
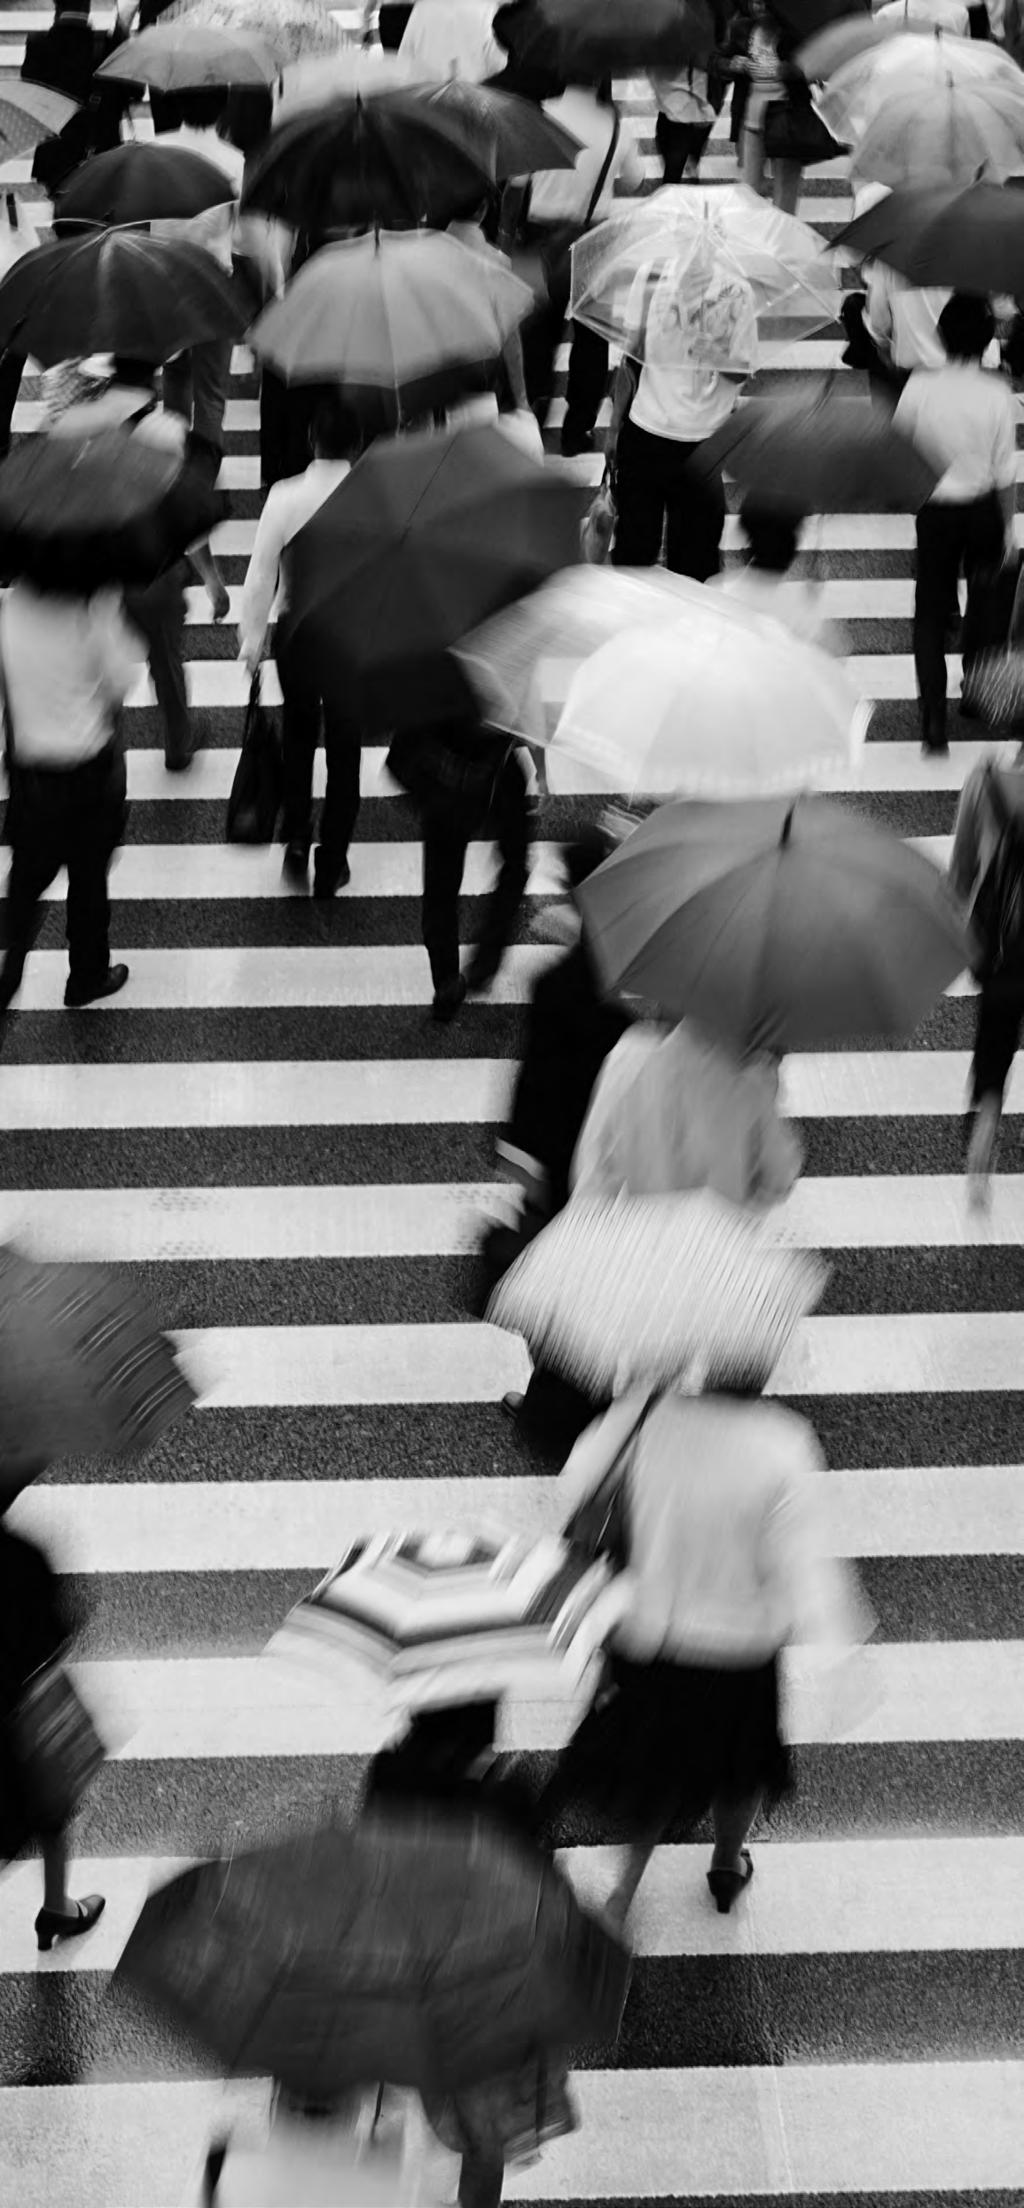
column 787, row 827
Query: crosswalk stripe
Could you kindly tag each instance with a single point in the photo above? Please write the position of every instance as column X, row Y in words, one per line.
column 130, row 1226
column 270, row 1525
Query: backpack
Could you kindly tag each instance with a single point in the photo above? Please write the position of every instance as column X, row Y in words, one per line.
column 997, row 916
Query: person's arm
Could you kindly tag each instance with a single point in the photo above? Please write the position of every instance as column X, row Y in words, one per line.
column 119, row 648
column 963, row 864
column 878, row 305
column 260, row 587
column 1004, row 468
column 816, row 1593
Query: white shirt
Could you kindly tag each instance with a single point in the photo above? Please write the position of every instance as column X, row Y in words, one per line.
column 904, row 318
column 68, row 665
column 794, row 604
column 684, row 404
column 447, row 39
column 289, row 505
column 672, row 1111
column 564, row 195
column 964, row 419
column 683, row 98
column 215, row 227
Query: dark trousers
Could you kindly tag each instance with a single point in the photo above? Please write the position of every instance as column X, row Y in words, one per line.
column 158, row 613
column 287, row 414
column 307, row 721
column 73, row 817
column 446, row 833
column 951, row 539
column 12, row 368
column 1000, row 1011
column 392, row 20
column 659, row 492
column 196, row 388
column 679, row 143
column 587, row 379
column 480, row 2181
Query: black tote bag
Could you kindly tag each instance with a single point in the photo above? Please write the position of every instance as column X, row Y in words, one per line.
column 256, row 792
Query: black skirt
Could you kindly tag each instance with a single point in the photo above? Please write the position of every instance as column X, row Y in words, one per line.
column 664, row 1739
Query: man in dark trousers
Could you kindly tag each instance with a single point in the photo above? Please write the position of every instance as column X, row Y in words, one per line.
column 65, row 59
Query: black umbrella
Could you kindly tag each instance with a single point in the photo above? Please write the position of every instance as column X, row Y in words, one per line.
column 142, row 183
column 78, row 513
column 426, row 538
column 969, row 236
column 584, row 41
column 116, row 291
column 822, row 454
column 394, row 159
column 524, row 138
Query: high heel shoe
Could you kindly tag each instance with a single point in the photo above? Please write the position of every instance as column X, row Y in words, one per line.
column 60, row 1924
column 725, row 1885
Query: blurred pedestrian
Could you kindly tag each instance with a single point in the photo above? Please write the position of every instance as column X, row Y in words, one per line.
column 465, row 781
column 987, row 873
column 37, row 1784
column 674, row 1109
column 195, row 384
column 727, row 1561
column 311, row 716
column 686, row 117
column 17, row 237
column 660, row 495
column 66, row 58
column 965, row 420
column 765, row 582
column 65, row 667
column 751, row 56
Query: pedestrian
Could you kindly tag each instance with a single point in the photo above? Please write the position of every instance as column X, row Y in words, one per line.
column 349, row 2154
column 964, row 419
column 751, row 56
column 660, row 494
column 686, row 102
column 465, row 781
column 156, row 609
column 765, row 582
column 65, row 667
column 17, row 237
column 726, row 1563
column 674, row 1109
column 311, row 715
column 558, row 207
column 66, row 58
column 35, row 1631
column 195, row 383
column 987, row 874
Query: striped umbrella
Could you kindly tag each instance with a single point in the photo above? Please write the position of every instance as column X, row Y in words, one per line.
column 430, row 1619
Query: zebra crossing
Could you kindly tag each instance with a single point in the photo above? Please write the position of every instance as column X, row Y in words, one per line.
column 265, row 1134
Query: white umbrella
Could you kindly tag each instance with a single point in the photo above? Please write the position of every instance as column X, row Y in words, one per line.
column 922, row 69
column 938, row 15
column 509, row 658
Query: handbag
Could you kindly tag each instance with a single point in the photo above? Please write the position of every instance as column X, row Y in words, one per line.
column 794, row 131
column 597, row 529
column 994, row 683
column 256, row 792
column 56, row 1746
column 599, row 1526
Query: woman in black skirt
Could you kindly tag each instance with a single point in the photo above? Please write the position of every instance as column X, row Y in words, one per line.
column 726, row 1563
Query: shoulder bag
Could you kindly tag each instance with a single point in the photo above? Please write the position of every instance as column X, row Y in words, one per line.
column 257, row 789
column 994, row 684
column 599, row 1526
column 597, row 529
column 545, row 264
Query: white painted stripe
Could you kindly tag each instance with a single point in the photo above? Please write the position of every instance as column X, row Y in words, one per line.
column 279, row 1525
column 240, row 415
column 221, row 980
column 416, row 1091
column 142, row 1225
column 214, row 870
column 861, row 599
column 913, row 1353
column 860, row 2128
column 891, row 1897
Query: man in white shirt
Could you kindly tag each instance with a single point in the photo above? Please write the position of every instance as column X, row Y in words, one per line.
column 562, row 204
column 309, row 716
column 964, row 419
column 66, row 665
column 195, row 384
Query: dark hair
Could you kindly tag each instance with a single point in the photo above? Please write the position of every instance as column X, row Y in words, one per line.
column 772, row 534
column 201, row 109
column 247, row 116
column 967, row 326
column 336, row 434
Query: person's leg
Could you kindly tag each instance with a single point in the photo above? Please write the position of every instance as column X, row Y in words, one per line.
column 752, row 155
column 939, row 545
column 177, row 386
column 509, row 820
column 36, row 860
column 786, row 175
column 481, row 2180
column 211, row 372
column 634, row 1864
column 300, row 735
column 341, row 803
column 982, row 560
column 697, row 135
column 12, row 368
column 696, row 516
column 586, row 384
column 640, row 467
column 540, row 336
column 733, row 1818
column 55, row 1873
column 1000, row 1010
column 671, row 141
column 93, row 837
column 159, row 614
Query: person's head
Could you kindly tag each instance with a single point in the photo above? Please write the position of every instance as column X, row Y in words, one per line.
column 967, row 326
column 772, row 535
column 69, row 7
column 247, row 116
column 336, row 432
column 202, row 109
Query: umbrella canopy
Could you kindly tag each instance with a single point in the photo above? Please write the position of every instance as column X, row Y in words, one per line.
column 582, row 41
column 649, row 1291
column 29, row 112
column 964, row 132
column 146, row 182
column 830, row 49
column 117, row 291
column 289, row 29
column 442, row 1618
column 689, row 277
column 826, row 454
column 969, row 237
column 427, row 537
column 907, row 64
column 523, row 137
column 778, row 925
column 391, row 158
column 101, row 508
column 313, row 82
column 83, row 1369
column 926, row 15
column 431, row 1958
column 185, row 56
column 393, row 313
column 705, row 709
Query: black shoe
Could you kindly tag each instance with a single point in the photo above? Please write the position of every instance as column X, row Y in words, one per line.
column 447, row 1001
column 90, row 992
column 53, row 1924
column 295, row 867
column 725, row 1885
column 178, row 757
column 577, row 442
column 326, row 879
column 934, row 743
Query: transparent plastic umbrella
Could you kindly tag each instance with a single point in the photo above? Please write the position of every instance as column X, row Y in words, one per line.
column 918, row 66
column 290, row 29
column 957, row 135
